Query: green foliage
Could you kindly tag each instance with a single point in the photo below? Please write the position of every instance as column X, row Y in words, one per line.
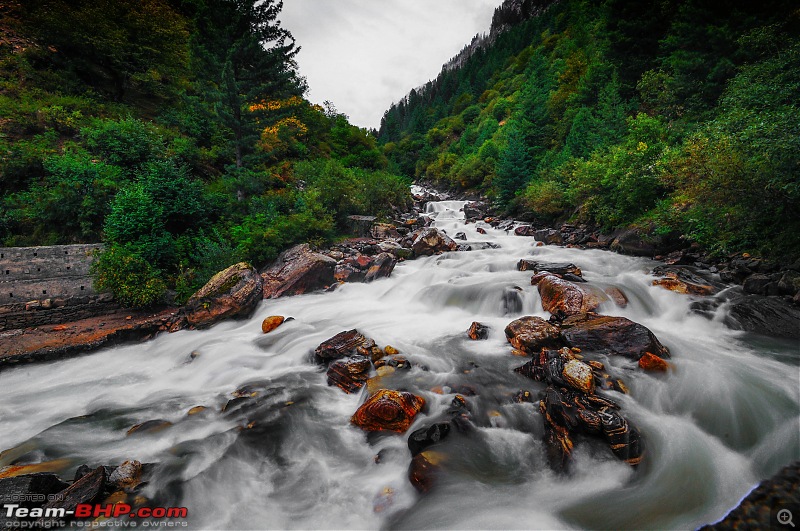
column 129, row 277
column 127, row 142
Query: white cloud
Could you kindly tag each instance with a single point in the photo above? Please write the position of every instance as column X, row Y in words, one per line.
column 365, row 54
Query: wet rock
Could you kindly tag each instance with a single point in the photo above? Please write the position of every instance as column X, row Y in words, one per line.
column 644, row 242
column 559, row 367
column 578, row 375
column 234, row 292
column 549, row 236
column 340, row 345
column 460, row 236
column 651, row 362
column 524, row 230
column 422, row 473
column 477, row 246
column 381, row 267
column 390, row 350
column 769, row 316
column 353, row 269
column 760, row 508
column 395, row 362
column 127, row 475
column 557, row 268
column 512, row 300
column 480, row 230
column 478, row 331
column 683, row 280
column 196, row 410
column 30, row 490
column 150, row 426
column 611, row 335
column 474, row 211
column 271, row 323
column 349, row 374
column 623, row 439
column 430, row 241
column 91, row 488
column 562, row 297
column 296, row 271
column 388, row 411
column 531, row 334
column 424, row 438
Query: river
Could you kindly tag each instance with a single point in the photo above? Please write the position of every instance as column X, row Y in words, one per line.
column 726, row 415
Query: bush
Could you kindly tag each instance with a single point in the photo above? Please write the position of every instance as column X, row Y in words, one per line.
column 129, row 277
column 128, row 142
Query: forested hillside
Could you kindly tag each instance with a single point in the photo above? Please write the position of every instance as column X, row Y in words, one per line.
column 678, row 117
column 176, row 132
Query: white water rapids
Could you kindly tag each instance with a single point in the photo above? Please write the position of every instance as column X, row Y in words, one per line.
column 725, row 416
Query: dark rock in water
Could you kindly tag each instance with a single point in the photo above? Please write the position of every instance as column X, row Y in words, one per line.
column 91, row 488
column 478, row 331
column 549, row 236
column 480, row 230
column 477, row 246
column 623, row 439
column 423, row 438
column 422, row 473
column 460, row 236
column 757, row 284
column 523, row 397
column 339, row 345
column 532, row 333
column 127, row 475
column 684, row 279
column 396, row 362
column 760, row 509
column 611, row 335
column 557, row 268
column 349, row 374
column 381, row 267
column 560, row 368
column 150, row 426
column 512, row 300
column 771, row 316
column 430, row 241
column 296, row 271
column 524, row 230
column 234, row 292
column 474, row 211
column 388, row 411
column 29, row 490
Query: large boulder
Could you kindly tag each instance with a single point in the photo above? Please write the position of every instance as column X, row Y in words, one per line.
column 430, row 241
column 234, row 292
column 644, row 242
column 531, row 334
column 563, row 297
column 611, row 335
column 296, row 271
column 388, row 410
column 769, row 316
column 685, row 280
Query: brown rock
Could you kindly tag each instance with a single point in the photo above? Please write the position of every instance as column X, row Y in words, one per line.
column 127, row 475
column 349, row 374
column 565, row 297
column 339, row 345
column 196, row 410
column 390, row 350
column 234, row 292
column 682, row 280
column 88, row 489
column 271, row 323
column 579, row 376
column 480, row 230
column 616, row 295
column 429, row 241
column 478, row 331
column 531, row 334
column 388, row 411
column 612, row 335
column 422, row 472
column 296, row 271
column 151, row 426
column 381, row 267
column 651, row 362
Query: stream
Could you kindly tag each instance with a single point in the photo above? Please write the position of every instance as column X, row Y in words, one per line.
column 725, row 416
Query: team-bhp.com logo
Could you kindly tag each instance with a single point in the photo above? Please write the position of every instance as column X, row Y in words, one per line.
column 16, row 516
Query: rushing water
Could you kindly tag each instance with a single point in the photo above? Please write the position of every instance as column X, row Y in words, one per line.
column 725, row 416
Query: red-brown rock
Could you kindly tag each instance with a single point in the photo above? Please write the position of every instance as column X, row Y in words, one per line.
column 530, row 334
column 429, row 241
column 340, row 345
column 388, row 411
column 349, row 374
column 478, row 331
column 565, row 297
column 234, row 292
column 651, row 362
column 296, row 271
column 271, row 323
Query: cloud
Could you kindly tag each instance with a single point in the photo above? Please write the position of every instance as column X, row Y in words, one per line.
column 365, row 54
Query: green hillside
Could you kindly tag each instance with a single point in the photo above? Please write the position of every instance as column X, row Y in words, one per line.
column 679, row 117
column 176, row 132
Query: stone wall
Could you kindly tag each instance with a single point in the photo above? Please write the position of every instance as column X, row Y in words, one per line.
column 48, row 285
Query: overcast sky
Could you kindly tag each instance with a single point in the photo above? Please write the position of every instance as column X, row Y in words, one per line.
column 365, row 54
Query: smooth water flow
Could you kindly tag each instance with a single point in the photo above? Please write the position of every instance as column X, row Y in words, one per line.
column 725, row 416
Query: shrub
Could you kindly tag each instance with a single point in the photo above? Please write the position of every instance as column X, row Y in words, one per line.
column 128, row 142
column 129, row 277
